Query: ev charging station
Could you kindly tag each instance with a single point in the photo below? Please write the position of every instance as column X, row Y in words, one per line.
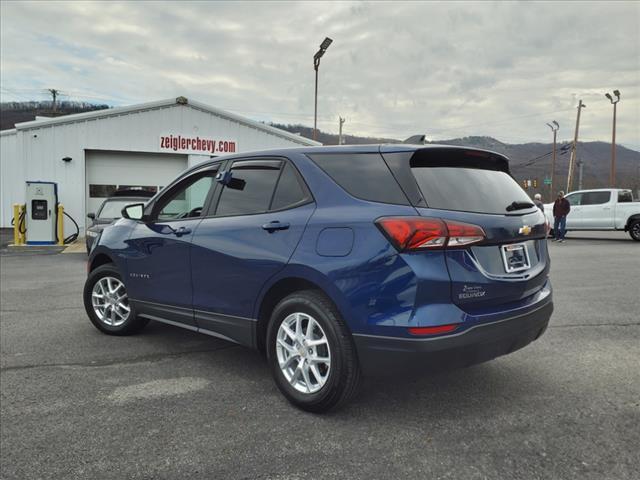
column 40, row 220
column 42, row 212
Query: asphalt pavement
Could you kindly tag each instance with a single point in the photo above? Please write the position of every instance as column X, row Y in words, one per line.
column 168, row 403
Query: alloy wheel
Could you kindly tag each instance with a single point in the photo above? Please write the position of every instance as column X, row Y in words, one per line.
column 110, row 301
column 303, row 352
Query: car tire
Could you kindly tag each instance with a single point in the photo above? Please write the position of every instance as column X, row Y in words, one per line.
column 106, row 303
column 331, row 384
column 634, row 230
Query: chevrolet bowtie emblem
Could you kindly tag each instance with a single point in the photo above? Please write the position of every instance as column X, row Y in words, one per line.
column 526, row 230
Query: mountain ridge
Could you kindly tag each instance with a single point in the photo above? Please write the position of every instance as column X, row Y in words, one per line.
column 528, row 161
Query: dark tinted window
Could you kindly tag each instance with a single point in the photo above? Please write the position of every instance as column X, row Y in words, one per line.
column 102, row 191
column 625, row 196
column 289, row 190
column 595, row 198
column 469, row 189
column 250, row 191
column 364, row 176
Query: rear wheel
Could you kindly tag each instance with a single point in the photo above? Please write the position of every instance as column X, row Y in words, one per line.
column 107, row 303
column 634, row 230
column 311, row 352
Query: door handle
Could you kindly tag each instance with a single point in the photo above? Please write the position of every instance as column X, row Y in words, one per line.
column 182, row 231
column 275, row 225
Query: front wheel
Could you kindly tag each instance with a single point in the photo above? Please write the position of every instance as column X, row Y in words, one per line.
column 311, row 352
column 634, row 230
column 107, row 303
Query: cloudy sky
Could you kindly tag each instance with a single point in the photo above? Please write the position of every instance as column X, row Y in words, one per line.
column 394, row 69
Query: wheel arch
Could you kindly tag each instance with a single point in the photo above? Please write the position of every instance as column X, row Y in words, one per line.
column 101, row 256
column 284, row 285
column 630, row 220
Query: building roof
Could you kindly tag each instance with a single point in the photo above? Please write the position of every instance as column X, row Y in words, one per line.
column 182, row 101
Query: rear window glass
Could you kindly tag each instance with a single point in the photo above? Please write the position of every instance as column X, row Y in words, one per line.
column 362, row 175
column 469, row 189
column 113, row 208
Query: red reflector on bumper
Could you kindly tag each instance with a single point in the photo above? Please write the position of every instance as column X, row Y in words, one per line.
column 432, row 330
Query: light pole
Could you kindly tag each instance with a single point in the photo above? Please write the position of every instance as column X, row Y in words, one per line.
column 316, row 63
column 612, row 173
column 554, row 128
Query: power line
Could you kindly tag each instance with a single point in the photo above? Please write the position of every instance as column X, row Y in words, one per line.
column 563, row 149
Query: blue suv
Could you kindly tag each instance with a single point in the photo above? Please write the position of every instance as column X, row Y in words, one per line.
column 336, row 262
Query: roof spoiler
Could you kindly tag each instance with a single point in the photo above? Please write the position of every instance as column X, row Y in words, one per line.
column 458, row 156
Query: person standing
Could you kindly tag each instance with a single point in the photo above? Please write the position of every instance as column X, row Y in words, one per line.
column 561, row 208
column 537, row 199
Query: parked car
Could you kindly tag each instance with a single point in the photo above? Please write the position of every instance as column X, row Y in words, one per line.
column 111, row 210
column 335, row 262
column 601, row 209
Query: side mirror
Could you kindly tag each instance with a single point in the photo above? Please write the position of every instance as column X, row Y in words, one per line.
column 134, row 211
column 92, row 216
column 226, row 179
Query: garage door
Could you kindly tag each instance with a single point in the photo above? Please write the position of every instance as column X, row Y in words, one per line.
column 108, row 171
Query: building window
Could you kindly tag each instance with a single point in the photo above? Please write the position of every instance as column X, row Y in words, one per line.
column 102, row 191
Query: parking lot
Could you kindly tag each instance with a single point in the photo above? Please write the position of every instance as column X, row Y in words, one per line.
column 168, row 403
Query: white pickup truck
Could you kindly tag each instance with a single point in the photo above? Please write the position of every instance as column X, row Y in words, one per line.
column 601, row 209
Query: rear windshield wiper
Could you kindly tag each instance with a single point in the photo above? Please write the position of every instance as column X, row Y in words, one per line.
column 519, row 206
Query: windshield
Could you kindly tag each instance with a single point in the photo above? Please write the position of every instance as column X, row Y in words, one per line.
column 113, row 208
column 471, row 190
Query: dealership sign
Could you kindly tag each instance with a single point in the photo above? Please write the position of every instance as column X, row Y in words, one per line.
column 197, row 145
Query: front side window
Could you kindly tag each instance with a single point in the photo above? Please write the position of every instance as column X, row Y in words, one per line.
column 249, row 191
column 188, row 199
column 574, row 199
column 595, row 198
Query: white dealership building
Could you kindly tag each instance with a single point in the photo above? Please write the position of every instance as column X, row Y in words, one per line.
column 90, row 155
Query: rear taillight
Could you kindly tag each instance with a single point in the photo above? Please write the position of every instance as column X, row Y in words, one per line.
column 461, row 234
column 415, row 233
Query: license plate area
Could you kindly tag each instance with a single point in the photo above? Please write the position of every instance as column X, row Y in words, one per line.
column 515, row 257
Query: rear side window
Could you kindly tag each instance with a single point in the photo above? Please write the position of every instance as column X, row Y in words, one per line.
column 595, row 198
column 468, row 189
column 624, row 197
column 363, row 175
column 250, row 191
column 289, row 190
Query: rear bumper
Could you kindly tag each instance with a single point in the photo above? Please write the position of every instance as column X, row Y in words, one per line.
column 379, row 355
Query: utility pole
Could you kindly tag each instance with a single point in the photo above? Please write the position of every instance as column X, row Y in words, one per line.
column 574, row 148
column 54, row 93
column 554, row 128
column 612, row 173
column 580, row 164
column 341, row 120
